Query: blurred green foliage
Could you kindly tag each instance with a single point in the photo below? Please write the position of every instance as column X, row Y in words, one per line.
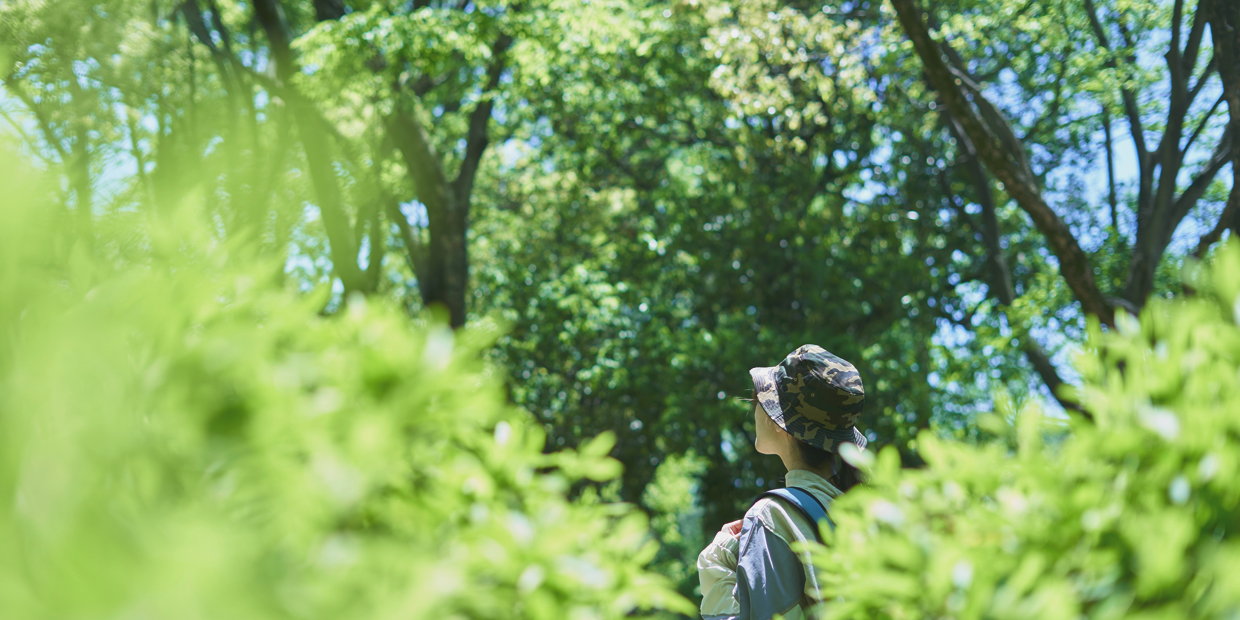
column 1134, row 516
column 673, row 497
column 181, row 435
column 667, row 193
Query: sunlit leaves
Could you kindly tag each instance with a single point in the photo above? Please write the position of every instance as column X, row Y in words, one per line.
column 1050, row 517
column 189, row 436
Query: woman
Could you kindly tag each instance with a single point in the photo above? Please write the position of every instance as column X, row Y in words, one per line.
column 805, row 408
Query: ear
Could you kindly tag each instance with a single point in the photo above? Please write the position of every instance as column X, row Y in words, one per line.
column 779, row 430
column 784, row 436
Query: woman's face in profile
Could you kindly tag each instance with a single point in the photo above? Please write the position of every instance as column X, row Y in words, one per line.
column 766, row 432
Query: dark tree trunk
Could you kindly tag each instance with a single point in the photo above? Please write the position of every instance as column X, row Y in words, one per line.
column 1224, row 16
column 444, row 278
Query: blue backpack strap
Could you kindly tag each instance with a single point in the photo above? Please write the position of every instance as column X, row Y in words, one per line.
column 803, row 501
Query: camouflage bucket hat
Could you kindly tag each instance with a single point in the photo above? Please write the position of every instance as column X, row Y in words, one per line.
column 814, row 395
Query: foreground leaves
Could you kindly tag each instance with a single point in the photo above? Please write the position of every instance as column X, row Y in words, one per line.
column 1133, row 516
column 182, row 437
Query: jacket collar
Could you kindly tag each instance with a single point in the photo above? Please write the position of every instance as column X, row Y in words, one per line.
column 810, row 481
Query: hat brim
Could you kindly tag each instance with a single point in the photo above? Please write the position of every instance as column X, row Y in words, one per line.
column 766, row 392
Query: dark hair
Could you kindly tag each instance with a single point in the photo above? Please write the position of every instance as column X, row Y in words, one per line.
column 846, row 476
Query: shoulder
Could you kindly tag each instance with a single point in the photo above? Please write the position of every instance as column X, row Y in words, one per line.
column 781, row 518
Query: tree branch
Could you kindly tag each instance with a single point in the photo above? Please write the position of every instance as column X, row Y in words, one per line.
column 377, row 249
column 312, row 131
column 421, row 160
column 1131, row 109
column 218, row 23
column 271, row 17
column 435, row 192
column 1226, row 220
column 1177, row 16
column 478, row 138
column 1074, row 264
column 1112, row 195
column 1125, row 35
column 1201, row 125
column 1193, row 46
column 1001, row 275
column 1201, row 81
column 41, row 118
column 1188, row 199
column 1056, row 103
column 31, row 143
column 425, row 83
column 327, row 10
column 414, row 252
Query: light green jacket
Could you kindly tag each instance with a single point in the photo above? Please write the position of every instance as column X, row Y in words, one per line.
column 717, row 564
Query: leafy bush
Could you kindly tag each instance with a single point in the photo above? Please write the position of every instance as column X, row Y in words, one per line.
column 676, row 519
column 183, row 437
column 1132, row 516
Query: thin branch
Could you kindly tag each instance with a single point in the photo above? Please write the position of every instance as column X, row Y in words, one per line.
column 377, row 250
column 1001, row 275
column 425, row 83
column 312, row 131
column 1129, row 97
column 218, row 23
column 1056, row 102
column 1201, row 81
column 420, row 158
column 1201, row 125
column 26, row 138
column 41, row 118
column 414, row 256
column 1125, row 35
column 477, row 137
column 957, row 202
column 327, row 10
column 1226, row 220
column 1112, row 195
column 1189, row 197
column 1193, row 46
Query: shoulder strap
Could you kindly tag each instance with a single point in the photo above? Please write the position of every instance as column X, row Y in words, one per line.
column 805, row 502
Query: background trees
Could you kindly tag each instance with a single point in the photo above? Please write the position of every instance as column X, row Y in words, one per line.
column 656, row 196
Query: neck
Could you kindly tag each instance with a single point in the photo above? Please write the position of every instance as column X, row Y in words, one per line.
column 791, row 462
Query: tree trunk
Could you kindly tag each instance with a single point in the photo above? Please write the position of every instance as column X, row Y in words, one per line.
column 1224, row 19
column 442, row 280
column 312, row 134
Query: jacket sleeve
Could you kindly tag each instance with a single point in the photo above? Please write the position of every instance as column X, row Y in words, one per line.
column 764, row 579
column 717, row 574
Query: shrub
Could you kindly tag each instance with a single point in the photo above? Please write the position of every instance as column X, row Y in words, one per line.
column 1134, row 515
column 181, row 436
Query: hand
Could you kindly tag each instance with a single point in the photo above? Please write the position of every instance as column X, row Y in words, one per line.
column 733, row 528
